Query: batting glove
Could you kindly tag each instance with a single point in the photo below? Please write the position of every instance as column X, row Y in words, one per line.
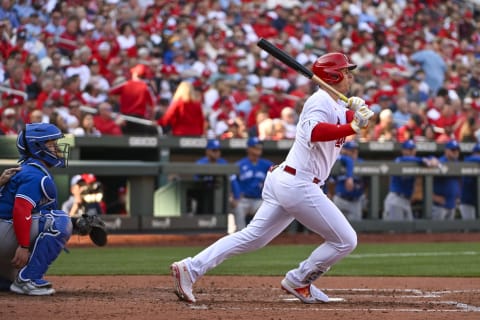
column 361, row 118
column 355, row 103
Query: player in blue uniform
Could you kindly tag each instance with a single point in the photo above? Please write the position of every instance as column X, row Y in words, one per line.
column 202, row 195
column 446, row 190
column 33, row 231
column 349, row 188
column 397, row 203
column 247, row 187
column 468, row 199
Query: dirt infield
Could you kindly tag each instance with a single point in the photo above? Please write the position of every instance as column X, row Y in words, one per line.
column 233, row 297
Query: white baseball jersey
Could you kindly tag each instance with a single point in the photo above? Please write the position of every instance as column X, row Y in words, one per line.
column 317, row 158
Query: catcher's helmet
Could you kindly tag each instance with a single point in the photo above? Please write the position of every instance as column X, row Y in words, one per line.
column 31, row 144
column 328, row 66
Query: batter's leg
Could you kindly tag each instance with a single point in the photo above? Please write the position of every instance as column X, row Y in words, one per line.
column 270, row 220
column 321, row 216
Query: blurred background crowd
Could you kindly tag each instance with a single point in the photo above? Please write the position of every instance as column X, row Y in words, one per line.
column 192, row 68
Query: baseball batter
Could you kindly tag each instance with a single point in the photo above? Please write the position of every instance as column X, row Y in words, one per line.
column 33, row 232
column 292, row 190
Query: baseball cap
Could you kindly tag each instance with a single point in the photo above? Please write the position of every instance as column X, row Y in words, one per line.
column 409, row 144
column 213, row 144
column 76, row 179
column 452, row 145
column 476, row 147
column 350, row 145
column 253, row 142
column 8, row 112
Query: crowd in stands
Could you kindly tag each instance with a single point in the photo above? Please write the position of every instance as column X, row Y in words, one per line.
column 192, row 68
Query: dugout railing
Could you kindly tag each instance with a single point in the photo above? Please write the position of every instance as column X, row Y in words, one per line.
column 168, row 163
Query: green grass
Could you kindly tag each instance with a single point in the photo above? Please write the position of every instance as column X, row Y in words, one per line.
column 408, row 259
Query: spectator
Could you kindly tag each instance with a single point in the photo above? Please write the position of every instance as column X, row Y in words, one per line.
column 468, row 199
column 433, row 64
column 77, row 67
column 402, row 113
column 384, row 130
column 7, row 124
column 7, row 13
column 248, row 185
column 106, row 123
column 126, row 39
column 412, row 130
column 55, row 26
column 136, row 100
column 414, row 91
column 36, row 116
column 446, row 189
column 67, row 41
column 86, row 127
column 184, row 116
column 289, row 118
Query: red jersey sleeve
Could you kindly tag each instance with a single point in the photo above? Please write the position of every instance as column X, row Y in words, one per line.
column 22, row 221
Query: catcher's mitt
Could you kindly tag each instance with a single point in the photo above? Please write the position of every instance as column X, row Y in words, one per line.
column 94, row 227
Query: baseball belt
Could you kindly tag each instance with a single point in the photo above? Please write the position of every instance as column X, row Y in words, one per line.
column 292, row 171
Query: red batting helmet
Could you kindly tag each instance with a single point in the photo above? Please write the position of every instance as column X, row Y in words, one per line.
column 328, row 66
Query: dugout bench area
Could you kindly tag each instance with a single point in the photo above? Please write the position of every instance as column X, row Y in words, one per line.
column 164, row 195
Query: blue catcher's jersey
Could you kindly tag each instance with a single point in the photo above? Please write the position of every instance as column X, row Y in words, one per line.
column 447, row 187
column 32, row 183
column 346, row 172
column 251, row 177
column 469, row 184
column 403, row 185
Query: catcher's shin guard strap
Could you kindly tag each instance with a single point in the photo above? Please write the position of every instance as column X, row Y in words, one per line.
column 57, row 228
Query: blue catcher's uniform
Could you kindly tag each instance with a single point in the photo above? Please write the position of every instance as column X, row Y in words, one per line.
column 50, row 229
column 247, row 188
column 397, row 204
column 468, row 199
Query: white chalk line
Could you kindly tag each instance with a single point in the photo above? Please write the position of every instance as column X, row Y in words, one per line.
column 411, row 254
column 408, row 293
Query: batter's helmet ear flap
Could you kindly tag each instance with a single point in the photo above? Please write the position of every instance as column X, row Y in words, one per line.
column 329, row 67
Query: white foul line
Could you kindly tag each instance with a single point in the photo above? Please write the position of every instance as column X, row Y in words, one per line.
column 411, row 254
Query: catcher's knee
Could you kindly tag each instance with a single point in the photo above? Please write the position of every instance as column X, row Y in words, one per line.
column 59, row 224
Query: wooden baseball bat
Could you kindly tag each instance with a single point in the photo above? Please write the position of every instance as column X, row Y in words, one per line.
column 297, row 66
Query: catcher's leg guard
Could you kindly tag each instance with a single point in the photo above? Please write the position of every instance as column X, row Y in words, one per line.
column 57, row 228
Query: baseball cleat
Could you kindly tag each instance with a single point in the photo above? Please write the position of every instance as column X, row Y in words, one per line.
column 306, row 294
column 182, row 282
column 32, row 287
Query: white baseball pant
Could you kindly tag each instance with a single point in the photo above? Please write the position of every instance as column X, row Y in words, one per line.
column 286, row 197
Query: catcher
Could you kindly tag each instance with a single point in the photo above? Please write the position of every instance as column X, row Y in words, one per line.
column 85, row 206
column 33, row 231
